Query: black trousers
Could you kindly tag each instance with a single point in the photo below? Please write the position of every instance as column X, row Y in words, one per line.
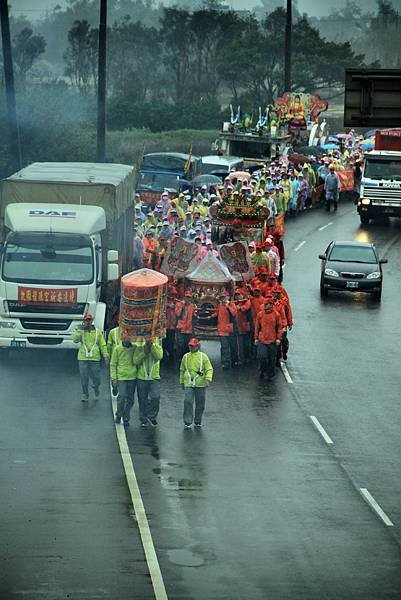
column 267, row 355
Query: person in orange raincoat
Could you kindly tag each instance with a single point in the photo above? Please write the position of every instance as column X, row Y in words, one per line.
column 245, row 326
column 185, row 312
column 227, row 329
column 282, row 305
column 257, row 302
column 151, row 246
column 171, row 320
column 268, row 332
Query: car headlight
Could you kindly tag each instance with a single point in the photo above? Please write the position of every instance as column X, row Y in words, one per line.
column 8, row 324
column 366, row 201
column 331, row 273
column 374, row 275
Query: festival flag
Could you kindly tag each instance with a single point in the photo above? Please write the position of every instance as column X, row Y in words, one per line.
column 237, row 259
column 346, row 178
column 187, row 165
column 180, row 257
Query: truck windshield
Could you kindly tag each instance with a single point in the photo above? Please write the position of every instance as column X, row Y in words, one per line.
column 48, row 258
column 383, row 169
column 158, row 181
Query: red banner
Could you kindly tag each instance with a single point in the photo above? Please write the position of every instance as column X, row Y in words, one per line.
column 346, row 178
column 54, row 296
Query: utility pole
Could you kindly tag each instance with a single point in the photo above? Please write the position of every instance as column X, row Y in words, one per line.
column 15, row 148
column 288, row 48
column 101, row 85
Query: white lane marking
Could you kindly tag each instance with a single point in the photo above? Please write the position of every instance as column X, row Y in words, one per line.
column 321, row 430
column 378, row 510
column 299, row 246
column 325, row 226
column 143, row 525
column 285, row 372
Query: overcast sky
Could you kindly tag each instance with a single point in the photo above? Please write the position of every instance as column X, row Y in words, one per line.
column 36, row 8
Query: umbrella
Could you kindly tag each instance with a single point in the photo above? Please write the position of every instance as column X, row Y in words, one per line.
column 330, row 147
column 367, row 145
column 240, row 175
column 344, row 136
column 297, row 158
column 332, row 139
column 206, row 179
column 309, row 150
column 370, row 133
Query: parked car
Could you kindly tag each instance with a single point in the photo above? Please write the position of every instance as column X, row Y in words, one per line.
column 221, row 165
column 351, row 267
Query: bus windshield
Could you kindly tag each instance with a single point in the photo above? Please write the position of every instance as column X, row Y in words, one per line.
column 48, row 258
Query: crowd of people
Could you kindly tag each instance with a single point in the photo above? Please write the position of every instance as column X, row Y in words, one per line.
column 252, row 320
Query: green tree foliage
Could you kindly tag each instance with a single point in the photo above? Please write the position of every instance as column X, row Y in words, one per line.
column 81, row 55
column 27, row 49
column 383, row 38
column 257, row 59
column 134, row 61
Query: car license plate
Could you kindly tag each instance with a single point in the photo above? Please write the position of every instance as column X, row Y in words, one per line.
column 18, row 344
column 352, row 284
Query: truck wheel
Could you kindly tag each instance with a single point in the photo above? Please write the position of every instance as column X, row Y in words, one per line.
column 364, row 219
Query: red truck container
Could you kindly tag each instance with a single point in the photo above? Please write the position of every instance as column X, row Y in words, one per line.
column 388, row 139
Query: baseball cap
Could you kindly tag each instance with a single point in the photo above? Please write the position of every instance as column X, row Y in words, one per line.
column 88, row 317
column 194, row 342
column 188, row 294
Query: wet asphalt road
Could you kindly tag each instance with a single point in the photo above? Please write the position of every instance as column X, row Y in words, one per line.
column 254, row 506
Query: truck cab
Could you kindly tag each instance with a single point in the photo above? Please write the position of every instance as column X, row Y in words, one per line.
column 380, row 192
column 66, row 232
column 51, row 273
column 161, row 171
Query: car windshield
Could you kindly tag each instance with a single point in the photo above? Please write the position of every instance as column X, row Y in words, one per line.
column 158, row 181
column 382, row 169
column 209, row 167
column 48, row 258
column 362, row 254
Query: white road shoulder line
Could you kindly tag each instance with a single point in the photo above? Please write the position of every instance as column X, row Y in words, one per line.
column 286, row 374
column 325, row 226
column 379, row 511
column 143, row 525
column 321, row 430
column 299, row 246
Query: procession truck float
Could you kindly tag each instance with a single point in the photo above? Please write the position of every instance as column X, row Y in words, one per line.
column 237, row 221
column 66, row 240
column 265, row 136
column 380, row 191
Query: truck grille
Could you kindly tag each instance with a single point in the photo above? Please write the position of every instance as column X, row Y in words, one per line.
column 15, row 307
column 42, row 341
column 46, row 324
column 383, row 194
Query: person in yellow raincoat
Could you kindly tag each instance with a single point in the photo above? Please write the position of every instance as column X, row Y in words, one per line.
column 286, row 184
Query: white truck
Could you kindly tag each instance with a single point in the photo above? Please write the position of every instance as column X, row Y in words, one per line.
column 380, row 191
column 66, row 239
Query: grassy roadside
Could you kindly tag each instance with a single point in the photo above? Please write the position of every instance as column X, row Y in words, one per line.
column 126, row 146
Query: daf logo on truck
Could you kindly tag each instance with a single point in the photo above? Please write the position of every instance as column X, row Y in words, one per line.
column 53, row 213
